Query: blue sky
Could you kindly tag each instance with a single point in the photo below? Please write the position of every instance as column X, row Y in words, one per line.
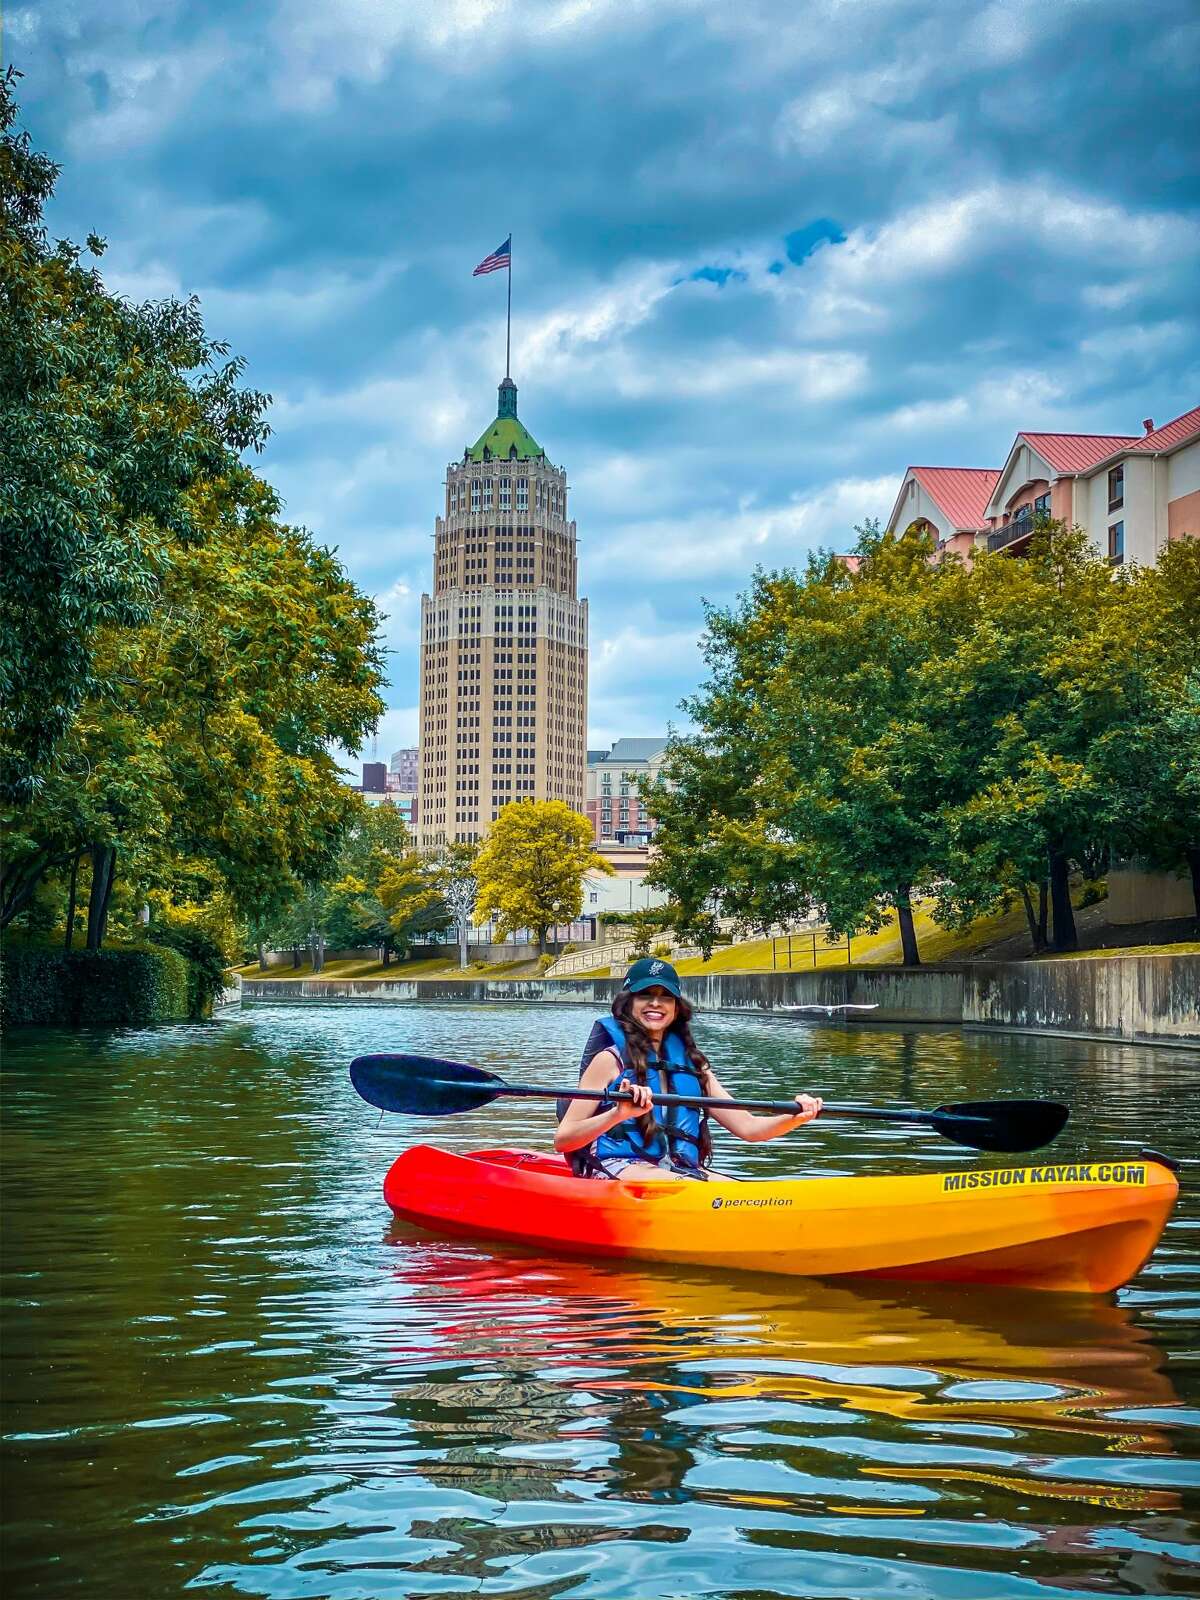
column 766, row 255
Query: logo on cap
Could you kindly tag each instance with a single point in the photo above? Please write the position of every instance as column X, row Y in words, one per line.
column 656, row 966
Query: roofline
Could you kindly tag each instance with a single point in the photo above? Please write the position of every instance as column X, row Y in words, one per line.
column 925, row 468
column 1132, row 450
column 1012, row 450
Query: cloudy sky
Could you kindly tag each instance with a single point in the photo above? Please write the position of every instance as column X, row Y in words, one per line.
column 767, row 254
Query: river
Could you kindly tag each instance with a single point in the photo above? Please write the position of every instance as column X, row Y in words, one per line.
column 227, row 1370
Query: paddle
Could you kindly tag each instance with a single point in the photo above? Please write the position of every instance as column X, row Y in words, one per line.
column 424, row 1086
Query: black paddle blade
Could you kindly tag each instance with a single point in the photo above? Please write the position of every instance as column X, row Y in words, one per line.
column 1008, row 1125
column 423, row 1086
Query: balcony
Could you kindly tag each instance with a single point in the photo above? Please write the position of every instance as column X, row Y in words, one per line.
column 1018, row 528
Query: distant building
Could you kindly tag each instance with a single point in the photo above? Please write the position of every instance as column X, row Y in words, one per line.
column 613, row 804
column 503, row 638
column 403, row 770
column 1130, row 493
column 374, row 777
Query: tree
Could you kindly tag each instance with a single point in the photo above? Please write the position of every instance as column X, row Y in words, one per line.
column 377, row 842
column 177, row 661
column 410, row 893
column 1035, row 687
column 110, row 415
column 1148, row 761
column 460, row 887
column 817, row 776
column 531, row 867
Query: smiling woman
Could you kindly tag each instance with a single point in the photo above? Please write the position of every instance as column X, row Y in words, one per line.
column 649, row 1032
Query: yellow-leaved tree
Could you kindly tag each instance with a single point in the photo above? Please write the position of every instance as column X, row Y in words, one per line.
column 531, row 867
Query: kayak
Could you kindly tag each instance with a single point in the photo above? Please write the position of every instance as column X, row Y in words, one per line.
column 1074, row 1226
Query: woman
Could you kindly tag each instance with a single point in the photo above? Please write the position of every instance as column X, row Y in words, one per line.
column 649, row 1033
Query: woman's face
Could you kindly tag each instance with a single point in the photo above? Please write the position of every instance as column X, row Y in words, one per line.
column 654, row 1010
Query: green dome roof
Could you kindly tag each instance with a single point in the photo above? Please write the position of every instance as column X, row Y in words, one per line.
column 506, row 436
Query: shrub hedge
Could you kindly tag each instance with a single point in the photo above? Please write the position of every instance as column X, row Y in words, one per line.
column 205, row 963
column 43, row 987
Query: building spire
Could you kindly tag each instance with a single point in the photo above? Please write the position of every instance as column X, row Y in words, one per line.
column 508, row 399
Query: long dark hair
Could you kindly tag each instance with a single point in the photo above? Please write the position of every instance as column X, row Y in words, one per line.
column 639, row 1047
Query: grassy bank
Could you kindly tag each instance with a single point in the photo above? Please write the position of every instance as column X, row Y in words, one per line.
column 402, row 971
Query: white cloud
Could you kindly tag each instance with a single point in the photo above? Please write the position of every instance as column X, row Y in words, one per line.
column 701, row 546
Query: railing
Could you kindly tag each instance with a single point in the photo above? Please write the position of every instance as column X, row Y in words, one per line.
column 620, row 953
column 791, row 950
column 1001, row 538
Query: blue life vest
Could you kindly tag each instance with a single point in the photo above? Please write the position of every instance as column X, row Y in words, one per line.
column 678, row 1141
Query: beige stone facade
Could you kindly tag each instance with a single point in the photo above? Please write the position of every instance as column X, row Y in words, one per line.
column 503, row 640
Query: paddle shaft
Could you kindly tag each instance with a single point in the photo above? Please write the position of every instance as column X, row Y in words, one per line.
column 781, row 1108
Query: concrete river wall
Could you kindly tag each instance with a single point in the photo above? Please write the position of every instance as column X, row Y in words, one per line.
column 1140, row 999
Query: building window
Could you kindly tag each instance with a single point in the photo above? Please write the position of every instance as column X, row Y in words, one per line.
column 475, row 495
column 1041, row 506
column 522, row 494
column 505, row 495
column 1116, row 489
column 1116, row 544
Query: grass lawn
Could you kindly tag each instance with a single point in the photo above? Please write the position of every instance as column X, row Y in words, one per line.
column 1186, row 947
column 866, row 949
column 354, row 967
column 369, row 967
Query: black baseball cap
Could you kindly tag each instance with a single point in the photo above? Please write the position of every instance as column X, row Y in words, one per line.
column 652, row 974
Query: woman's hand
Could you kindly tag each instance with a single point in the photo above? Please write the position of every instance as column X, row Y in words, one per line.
column 639, row 1105
column 810, row 1105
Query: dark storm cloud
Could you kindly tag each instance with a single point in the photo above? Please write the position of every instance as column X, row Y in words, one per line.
column 765, row 256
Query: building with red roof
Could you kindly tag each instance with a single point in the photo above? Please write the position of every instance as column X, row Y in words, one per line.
column 1131, row 493
column 947, row 502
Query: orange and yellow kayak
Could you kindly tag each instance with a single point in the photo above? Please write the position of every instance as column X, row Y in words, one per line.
column 1076, row 1226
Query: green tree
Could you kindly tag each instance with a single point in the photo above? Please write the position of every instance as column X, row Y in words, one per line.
column 377, row 842
column 1044, row 677
column 531, row 867
column 1148, row 760
column 817, row 776
column 410, row 892
column 180, row 738
column 110, row 415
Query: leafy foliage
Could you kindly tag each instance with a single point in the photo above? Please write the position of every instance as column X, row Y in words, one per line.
column 110, row 415
column 531, row 867
column 92, row 988
column 915, row 727
column 176, row 662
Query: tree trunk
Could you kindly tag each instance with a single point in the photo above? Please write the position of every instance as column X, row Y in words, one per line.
column 104, row 862
column 319, row 953
column 1030, row 917
column 1065, row 936
column 908, row 933
column 385, row 955
column 70, row 934
column 1043, row 926
column 20, row 883
column 295, row 958
column 462, row 946
column 1193, row 856
column 541, row 933
column 262, row 956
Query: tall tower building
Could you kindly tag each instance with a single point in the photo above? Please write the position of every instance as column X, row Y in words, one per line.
column 503, row 639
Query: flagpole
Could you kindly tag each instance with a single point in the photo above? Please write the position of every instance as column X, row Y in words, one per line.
column 508, row 326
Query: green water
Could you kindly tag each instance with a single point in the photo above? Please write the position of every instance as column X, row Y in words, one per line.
column 227, row 1370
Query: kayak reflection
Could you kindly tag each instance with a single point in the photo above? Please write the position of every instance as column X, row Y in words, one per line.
column 622, row 1380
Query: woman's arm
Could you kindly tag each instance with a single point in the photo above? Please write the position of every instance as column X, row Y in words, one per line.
column 746, row 1125
column 581, row 1123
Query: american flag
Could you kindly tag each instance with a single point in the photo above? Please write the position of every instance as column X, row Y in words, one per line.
column 500, row 258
